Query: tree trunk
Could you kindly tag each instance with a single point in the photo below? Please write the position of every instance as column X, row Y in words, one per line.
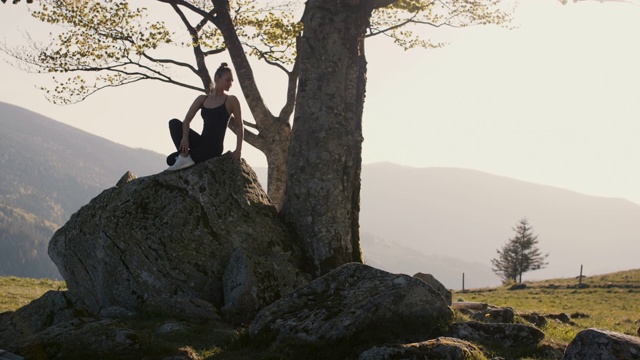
column 275, row 151
column 274, row 132
column 322, row 195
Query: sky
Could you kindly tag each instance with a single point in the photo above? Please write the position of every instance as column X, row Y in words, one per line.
column 553, row 101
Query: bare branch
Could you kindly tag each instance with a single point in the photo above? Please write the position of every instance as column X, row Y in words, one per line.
column 169, row 61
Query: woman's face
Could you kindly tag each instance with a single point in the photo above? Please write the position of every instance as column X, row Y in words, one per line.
column 225, row 81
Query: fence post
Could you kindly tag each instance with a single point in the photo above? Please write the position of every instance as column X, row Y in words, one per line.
column 580, row 281
column 462, row 281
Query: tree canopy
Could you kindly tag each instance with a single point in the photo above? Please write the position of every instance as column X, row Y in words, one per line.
column 109, row 43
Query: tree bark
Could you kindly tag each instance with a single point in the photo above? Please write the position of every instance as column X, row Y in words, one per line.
column 322, row 195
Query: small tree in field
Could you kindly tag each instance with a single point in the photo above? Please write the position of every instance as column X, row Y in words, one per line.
column 519, row 255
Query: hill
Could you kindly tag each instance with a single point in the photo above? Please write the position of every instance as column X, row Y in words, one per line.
column 466, row 215
column 442, row 221
column 49, row 170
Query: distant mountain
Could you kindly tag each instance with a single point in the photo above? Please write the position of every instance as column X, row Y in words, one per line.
column 466, row 215
column 448, row 269
column 49, row 170
column 443, row 221
column 449, row 222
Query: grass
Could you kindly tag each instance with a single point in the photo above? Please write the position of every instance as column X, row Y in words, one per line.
column 17, row 292
column 605, row 301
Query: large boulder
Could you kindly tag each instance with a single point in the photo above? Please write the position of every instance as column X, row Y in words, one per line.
column 352, row 308
column 207, row 232
column 597, row 344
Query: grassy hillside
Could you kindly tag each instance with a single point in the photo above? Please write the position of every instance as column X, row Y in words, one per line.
column 50, row 170
column 605, row 301
column 16, row 292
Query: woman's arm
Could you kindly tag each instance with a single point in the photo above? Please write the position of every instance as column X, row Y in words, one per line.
column 193, row 110
column 237, row 117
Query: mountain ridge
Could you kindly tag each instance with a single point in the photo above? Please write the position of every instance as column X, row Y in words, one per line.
column 476, row 211
column 50, row 170
column 497, row 176
column 441, row 220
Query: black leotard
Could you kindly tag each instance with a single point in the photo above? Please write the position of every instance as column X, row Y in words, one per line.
column 215, row 126
column 210, row 143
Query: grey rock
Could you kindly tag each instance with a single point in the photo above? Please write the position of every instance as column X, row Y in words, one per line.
column 5, row 355
column 551, row 351
column 188, row 233
column 597, row 344
column 495, row 315
column 444, row 348
column 82, row 338
column 54, row 307
column 181, row 308
column 354, row 304
column 115, row 312
column 437, row 285
column 561, row 317
column 517, row 287
column 126, row 178
column 507, row 335
column 534, row 318
column 170, row 328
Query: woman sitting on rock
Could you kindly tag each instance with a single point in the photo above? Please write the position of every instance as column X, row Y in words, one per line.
column 216, row 108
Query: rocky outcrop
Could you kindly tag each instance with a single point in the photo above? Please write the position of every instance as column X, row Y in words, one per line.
column 507, row 335
column 50, row 327
column 356, row 305
column 52, row 308
column 175, row 307
column 437, row 285
column 208, row 232
column 597, row 344
column 494, row 315
column 440, row 348
column 170, row 255
column 81, row 338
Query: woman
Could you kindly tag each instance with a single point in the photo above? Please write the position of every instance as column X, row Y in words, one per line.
column 216, row 108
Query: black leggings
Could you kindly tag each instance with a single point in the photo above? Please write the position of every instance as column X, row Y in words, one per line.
column 200, row 148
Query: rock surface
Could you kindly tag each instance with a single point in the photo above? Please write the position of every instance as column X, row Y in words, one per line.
column 207, row 232
column 507, row 335
column 354, row 304
column 495, row 315
column 437, row 285
column 81, row 338
column 176, row 307
column 597, row 344
column 440, row 348
column 52, row 308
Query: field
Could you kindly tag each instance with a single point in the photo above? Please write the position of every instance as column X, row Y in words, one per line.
column 16, row 292
column 610, row 301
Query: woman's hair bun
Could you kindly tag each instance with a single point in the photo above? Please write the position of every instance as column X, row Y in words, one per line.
column 224, row 65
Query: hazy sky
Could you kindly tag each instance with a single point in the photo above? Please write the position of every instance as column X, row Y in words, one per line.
column 555, row 101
